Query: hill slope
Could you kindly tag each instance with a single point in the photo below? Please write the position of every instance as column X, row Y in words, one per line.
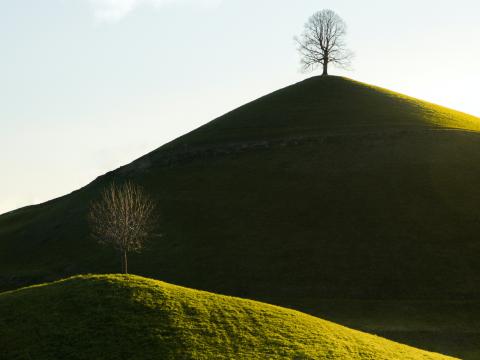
column 329, row 196
column 125, row 317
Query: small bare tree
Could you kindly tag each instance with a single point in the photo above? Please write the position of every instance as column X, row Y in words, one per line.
column 323, row 42
column 122, row 218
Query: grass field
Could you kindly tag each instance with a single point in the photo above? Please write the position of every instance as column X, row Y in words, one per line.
column 128, row 317
column 330, row 196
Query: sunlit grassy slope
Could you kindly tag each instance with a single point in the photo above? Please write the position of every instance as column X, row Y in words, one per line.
column 127, row 317
column 329, row 196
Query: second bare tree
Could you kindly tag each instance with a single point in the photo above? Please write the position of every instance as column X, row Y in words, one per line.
column 122, row 218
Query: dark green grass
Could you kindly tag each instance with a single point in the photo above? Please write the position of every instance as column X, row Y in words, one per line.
column 125, row 317
column 318, row 106
column 326, row 191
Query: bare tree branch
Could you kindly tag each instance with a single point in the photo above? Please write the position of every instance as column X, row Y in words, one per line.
column 122, row 218
column 322, row 42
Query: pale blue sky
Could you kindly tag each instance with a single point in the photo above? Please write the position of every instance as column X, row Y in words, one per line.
column 89, row 85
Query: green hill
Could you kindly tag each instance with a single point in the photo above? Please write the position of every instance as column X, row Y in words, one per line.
column 127, row 317
column 330, row 196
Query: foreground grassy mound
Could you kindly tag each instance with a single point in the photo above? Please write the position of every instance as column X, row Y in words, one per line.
column 129, row 317
column 329, row 196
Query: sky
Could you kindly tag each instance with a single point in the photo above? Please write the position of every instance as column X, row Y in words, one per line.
column 89, row 85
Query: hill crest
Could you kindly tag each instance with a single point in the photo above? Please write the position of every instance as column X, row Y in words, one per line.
column 313, row 109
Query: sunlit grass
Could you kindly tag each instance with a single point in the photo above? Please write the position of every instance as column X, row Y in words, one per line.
column 120, row 317
column 431, row 113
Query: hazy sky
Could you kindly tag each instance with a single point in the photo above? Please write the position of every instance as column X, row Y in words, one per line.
column 89, row 85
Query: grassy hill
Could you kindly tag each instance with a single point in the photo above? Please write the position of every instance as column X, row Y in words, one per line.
column 129, row 317
column 329, row 196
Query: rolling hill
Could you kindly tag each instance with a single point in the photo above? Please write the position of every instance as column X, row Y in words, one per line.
column 330, row 196
column 129, row 317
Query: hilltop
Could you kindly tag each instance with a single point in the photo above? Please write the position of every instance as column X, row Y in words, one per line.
column 129, row 317
column 330, row 196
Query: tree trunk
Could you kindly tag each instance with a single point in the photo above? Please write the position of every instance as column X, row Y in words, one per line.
column 125, row 263
column 325, row 68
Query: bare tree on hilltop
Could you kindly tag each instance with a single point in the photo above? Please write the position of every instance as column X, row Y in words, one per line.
column 122, row 218
column 323, row 42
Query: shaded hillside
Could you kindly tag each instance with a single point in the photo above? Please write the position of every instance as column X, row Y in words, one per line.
column 326, row 190
column 126, row 317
